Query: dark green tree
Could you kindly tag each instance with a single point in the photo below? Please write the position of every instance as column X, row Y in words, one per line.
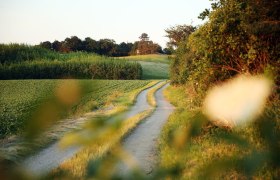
column 107, row 47
column 123, row 49
column 90, row 45
column 73, row 43
column 46, row 45
column 56, row 45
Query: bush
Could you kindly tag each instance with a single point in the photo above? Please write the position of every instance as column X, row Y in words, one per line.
column 240, row 37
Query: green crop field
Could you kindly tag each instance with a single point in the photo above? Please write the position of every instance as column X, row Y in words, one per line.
column 19, row 99
column 80, row 69
column 154, row 66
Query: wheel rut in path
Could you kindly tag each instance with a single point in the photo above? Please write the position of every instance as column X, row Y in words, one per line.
column 52, row 156
column 141, row 144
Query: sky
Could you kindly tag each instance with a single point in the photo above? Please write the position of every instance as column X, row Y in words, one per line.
column 35, row 21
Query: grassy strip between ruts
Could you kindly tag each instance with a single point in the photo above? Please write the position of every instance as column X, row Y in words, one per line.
column 76, row 167
column 16, row 148
column 151, row 94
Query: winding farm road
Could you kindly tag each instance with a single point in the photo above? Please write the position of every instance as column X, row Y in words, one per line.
column 52, row 156
column 141, row 144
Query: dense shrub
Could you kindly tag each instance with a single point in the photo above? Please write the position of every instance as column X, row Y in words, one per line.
column 240, row 37
column 99, row 69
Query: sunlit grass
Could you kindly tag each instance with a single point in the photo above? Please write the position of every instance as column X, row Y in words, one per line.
column 154, row 66
column 149, row 58
column 151, row 94
column 201, row 149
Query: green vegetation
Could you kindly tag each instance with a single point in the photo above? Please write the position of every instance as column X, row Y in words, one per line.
column 154, row 70
column 158, row 58
column 240, row 37
column 28, row 62
column 20, row 98
column 18, row 53
column 90, row 69
column 101, row 145
column 200, row 149
column 154, row 66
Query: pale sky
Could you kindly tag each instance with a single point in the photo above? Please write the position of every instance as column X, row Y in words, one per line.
column 34, row 21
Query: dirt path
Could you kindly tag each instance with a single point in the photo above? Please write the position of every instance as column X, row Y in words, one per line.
column 52, row 156
column 141, row 144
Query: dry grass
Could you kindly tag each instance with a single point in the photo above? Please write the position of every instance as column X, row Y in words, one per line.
column 151, row 94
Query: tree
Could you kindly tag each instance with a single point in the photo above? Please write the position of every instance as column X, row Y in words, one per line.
column 144, row 37
column 56, row 45
column 73, row 43
column 46, row 45
column 240, row 37
column 123, row 49
column 167, row 51
column 90, row 45
column 107, row 47
column 145, row 46
column 177, row 34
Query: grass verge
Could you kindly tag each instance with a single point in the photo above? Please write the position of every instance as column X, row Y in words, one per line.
column 202, row 150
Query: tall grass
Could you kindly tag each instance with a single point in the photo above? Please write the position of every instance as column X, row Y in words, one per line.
column 13, row 53
column 99, row 69
column 18, row 53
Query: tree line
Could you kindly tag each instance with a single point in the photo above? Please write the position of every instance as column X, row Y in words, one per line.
column 106, row 47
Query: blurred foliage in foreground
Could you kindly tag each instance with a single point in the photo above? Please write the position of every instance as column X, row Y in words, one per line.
column 240, row 37
column 20, row 98
column 190, row 145
column 205, row 151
